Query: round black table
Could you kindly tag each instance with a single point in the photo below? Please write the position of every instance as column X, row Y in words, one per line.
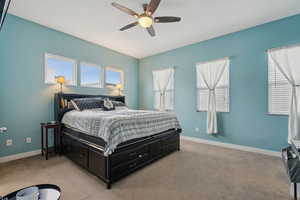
column 47, row 192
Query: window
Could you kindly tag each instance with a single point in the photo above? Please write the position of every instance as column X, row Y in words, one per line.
column 90, row 75
column 60, row 66
column 279, row 90
column 113, row 76
column 221, row 90
column 163, row 89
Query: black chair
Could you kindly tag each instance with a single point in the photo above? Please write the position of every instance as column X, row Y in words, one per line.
column 291, row 161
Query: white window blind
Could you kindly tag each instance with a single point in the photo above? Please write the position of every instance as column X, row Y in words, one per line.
column 222, row 91
column 163, row 89
column 279, row 90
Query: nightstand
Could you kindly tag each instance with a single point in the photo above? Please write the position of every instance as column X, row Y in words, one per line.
column 44, row 137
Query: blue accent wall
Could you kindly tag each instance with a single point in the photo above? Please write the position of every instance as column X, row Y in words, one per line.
column 25, row 100
column 248, row 122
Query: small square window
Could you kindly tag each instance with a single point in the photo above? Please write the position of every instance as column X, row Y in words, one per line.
column 60, row 66
column 113, row 77
column 90, row 75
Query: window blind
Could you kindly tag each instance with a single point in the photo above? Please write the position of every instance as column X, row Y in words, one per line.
column 222, row 99
column 279, row 90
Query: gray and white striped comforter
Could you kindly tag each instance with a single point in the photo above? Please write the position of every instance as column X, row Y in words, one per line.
column 118, row 126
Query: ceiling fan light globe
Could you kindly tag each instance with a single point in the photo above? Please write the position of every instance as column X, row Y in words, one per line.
column 145, row 21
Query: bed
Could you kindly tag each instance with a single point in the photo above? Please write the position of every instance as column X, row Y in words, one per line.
column 111, row 158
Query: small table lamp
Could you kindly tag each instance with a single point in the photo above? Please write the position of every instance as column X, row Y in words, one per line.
column 61, row 80
column 119, row 86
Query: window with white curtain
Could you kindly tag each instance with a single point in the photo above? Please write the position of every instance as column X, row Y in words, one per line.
column 279, row 90
column 221, row 91
column 286, row 60
column 163, row 89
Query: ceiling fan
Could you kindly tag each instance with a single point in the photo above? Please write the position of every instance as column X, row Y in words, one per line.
column 146, row 19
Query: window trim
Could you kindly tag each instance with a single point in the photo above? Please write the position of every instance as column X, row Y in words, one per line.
column 91, row 65
column 115, row 69
column 74, row 74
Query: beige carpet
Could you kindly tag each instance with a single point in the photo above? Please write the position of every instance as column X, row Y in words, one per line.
column 197, row 172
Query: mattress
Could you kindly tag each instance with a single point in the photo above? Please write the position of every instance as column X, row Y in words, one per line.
column 113, row 128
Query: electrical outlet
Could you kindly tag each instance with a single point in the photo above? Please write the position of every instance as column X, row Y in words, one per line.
column 9, row 142
column 28, row 140
column 3, row 129
column 197, row 129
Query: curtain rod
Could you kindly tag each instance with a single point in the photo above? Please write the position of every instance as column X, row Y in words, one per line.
column 165, row 68
column 223, row 58
column 283, row 47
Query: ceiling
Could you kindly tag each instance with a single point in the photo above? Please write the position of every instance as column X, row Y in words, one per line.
column 98, row 22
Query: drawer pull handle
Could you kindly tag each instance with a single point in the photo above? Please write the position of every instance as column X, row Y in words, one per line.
column 132, row 165
column 133, row 154
column 140, row 155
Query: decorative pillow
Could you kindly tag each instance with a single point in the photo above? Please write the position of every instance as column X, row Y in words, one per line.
column 87, row 103
column 70, row 105
column 118, row 103
column 108, row 105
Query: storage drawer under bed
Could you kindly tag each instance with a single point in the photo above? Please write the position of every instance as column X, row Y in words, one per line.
column 122, row 162
column 128, row 155
column 76, row 151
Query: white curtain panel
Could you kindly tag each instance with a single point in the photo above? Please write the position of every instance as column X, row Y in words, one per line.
column 211, row 74
column 287, row 61
column 163, row 87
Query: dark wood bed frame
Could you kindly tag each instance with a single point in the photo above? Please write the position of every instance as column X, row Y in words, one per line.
column 125, row 159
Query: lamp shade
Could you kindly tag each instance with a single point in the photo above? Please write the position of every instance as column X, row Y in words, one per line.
column 60, row 79
column 119, row 86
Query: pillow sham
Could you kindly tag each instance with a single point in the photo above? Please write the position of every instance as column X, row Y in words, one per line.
column 87, row 103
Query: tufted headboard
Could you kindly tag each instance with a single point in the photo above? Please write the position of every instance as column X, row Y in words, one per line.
column 62, row 98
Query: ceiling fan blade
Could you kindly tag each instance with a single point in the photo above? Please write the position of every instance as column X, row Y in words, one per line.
column 129, row 26
column 166, row 19
column 153, row 5
column 125, row 9
column 151, row 31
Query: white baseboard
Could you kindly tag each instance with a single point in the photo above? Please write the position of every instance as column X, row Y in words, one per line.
column 193, row 139
column 19, row 156
column 233, row 146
